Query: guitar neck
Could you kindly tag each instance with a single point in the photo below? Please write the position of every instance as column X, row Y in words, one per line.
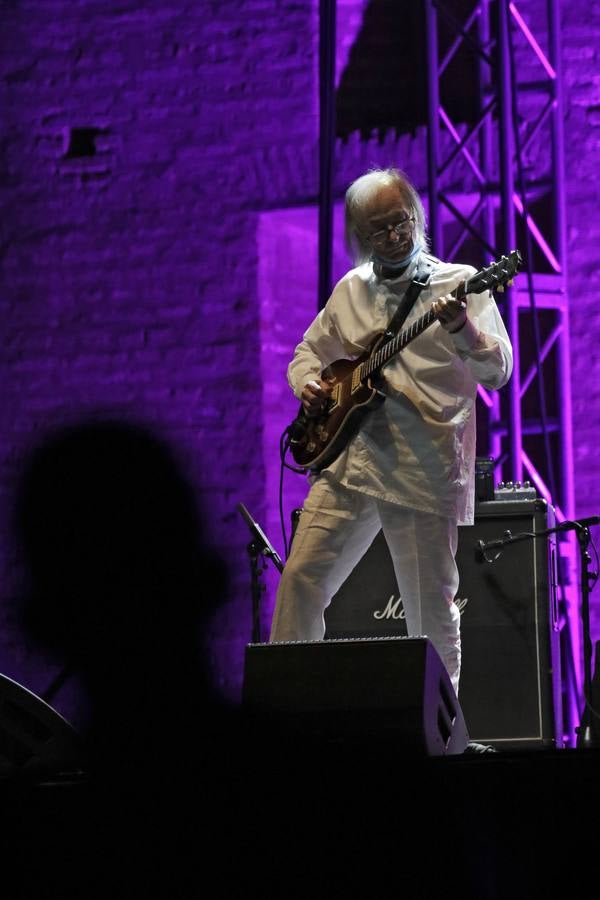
column 385, row 353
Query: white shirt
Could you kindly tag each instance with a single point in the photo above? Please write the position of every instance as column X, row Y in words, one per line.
column 418, row 448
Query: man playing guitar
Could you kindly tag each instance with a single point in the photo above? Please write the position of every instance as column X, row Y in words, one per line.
column 409, row 468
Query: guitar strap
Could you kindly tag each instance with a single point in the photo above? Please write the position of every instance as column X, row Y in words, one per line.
column 425, row 268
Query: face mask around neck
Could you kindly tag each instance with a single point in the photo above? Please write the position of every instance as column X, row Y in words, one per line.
column 396, row 263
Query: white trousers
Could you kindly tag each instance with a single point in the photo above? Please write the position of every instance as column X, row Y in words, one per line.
column 336, row 528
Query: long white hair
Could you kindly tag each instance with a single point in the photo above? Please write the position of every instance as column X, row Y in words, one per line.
column 358, row 194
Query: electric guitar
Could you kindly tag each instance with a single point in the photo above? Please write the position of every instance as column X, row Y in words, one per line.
column 315, row 441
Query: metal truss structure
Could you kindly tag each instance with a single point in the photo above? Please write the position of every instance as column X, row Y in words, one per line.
column 495, row 184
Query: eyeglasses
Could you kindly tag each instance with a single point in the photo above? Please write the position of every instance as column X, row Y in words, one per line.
column 404, row 226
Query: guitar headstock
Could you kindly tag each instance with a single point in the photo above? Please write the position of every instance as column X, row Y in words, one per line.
column 495, row 276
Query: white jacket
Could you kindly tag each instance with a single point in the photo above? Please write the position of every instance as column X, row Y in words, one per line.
column 418, row 448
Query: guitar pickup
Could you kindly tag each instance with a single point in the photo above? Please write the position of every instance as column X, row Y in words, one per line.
column 334, row 399
column 356, row 379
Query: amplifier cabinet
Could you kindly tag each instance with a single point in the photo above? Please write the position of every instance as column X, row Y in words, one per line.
column 510, row 686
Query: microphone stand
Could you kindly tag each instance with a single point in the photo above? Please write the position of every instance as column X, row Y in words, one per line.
column 587, row 577
column 258, row 546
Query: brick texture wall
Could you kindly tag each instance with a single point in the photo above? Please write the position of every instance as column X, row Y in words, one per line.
column 140, row 139
column 148, row 150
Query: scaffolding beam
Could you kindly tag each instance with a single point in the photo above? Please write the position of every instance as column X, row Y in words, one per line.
column 510, row 199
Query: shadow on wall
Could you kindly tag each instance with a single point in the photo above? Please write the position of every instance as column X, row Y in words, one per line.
column 120, row 584
column 384, row 84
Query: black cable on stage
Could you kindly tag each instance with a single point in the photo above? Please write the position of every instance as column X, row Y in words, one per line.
column 284, row 446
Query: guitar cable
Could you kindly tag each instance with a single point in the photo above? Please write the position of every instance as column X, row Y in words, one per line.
column 291, row 433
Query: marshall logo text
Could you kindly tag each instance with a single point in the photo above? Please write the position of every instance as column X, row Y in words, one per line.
column 395, row 610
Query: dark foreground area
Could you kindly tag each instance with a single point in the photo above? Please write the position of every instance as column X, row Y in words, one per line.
column 288, row 816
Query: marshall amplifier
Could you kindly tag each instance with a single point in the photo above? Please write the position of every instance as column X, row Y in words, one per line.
column 510, row 686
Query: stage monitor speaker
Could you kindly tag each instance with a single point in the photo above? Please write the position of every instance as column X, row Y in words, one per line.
column 35, row 740
column 510, row 686
column 395, row 688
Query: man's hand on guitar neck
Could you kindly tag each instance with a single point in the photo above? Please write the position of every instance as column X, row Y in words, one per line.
column 451, row 313
column 315, row 395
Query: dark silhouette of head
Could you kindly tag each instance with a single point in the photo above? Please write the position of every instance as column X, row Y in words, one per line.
column 121, row 586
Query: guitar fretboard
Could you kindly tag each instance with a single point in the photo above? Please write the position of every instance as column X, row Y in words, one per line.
column 382, row 356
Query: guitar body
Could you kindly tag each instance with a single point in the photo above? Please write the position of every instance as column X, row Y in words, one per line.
column 327, row 434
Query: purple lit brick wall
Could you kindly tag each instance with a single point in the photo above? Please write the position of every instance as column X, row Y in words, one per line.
column 140, row 140
column 159, row 248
